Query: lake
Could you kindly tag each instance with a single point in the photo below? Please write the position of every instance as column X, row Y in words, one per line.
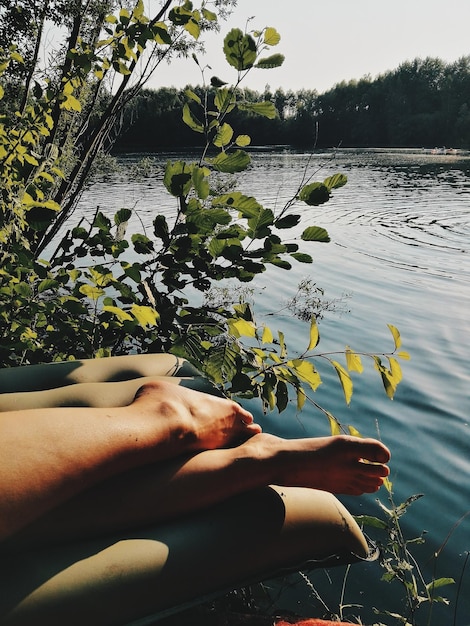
column 399, row 254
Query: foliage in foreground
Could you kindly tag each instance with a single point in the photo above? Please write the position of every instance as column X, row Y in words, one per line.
column 86, row 288
column 70, row 291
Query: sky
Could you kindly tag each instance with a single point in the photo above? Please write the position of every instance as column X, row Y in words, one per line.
column 328, row 41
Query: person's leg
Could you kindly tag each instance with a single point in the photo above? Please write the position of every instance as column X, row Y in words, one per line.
column 49, row 455
column 123, row 577
column 96, row 395
column 109, row 369
column 178, row 487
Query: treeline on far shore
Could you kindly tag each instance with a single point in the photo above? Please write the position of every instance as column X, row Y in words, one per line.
column 423, row 103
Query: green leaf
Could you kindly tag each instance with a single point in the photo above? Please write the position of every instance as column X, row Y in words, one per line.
column 102, row 222
column 91, row 292
column 336, row 181
column 274, row 60
column 439, row 582
column 315, row 233
column 345, row 380
column 288, row 221
column 122, row 216
column 177, row 178
column 390, row 377
column 160, row 33
column 395, row 371
column 222, row 364
column 223, row 136
column 209, row 15
column 243, row 140
column 282, row 395
column 31, row 160
column 369, row 520
column 160, row 228
column 200, row 182
column 282, row 345
column 246, row 205
column 265, row 109
column 314, row 194
column 193, row 28
column 301, row 257
column 191, row 120
column 142, row 244
column 46, row 284
column 259, row 227
column 189, row 93
column 232, row 162
column 225, row 100
column 240, row 49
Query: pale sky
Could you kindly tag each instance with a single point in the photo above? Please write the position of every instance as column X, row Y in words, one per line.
column 327, row 41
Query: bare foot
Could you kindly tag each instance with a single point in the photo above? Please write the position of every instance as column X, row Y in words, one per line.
column 196, row 421
column 340, row 464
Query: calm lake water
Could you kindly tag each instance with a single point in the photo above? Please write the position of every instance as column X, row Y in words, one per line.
column 400, row 254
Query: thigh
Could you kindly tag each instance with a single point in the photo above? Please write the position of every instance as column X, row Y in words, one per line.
column 108, row 369
column 106, row 382
column 124, row 577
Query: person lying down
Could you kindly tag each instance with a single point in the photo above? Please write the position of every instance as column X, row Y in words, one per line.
column 163, row 452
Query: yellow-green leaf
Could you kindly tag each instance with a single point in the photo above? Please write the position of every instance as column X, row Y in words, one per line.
column 223, row 136
column 267, row 335
column 282, row 345
column 241, row 328
column 145, row 315
column 353, row 361
column 189, row 93
column 306, row 371
column 209, row 15
column 119, row 313
column 271, row 36
column 124, row 15
column 301, row 397
column 353, row 431
column 396, row 335
column 191, row 120
column 91, row 292
column 30, row 159
column 395, row 370
column 403, row 355
column 193, row 28
column 345, row 380
column 314, row 335
column 243, row 140
column 71, row 104
column 335, row 427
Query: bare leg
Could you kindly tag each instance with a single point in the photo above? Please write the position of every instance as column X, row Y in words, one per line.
column 52, row 375
column 122, row 577
column 49, row 455
column 176, row 488
column 107, row 394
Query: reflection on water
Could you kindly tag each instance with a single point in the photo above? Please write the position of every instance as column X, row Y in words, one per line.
column 400, row 249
